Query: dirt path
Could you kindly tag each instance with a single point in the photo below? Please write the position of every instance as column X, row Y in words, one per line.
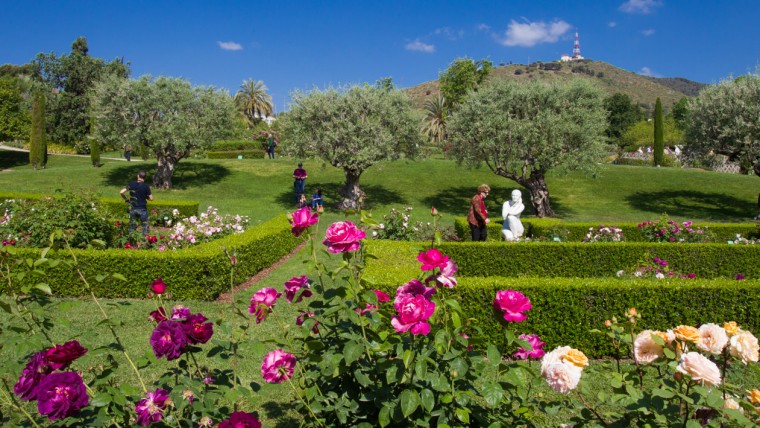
column 225, row 297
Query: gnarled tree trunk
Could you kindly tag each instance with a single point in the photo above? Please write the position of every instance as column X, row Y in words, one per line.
column 351, row 192
column 165, row 166
column 539, row 194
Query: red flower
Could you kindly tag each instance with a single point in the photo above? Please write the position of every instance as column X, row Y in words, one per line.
column 158, row 286
column 432, row 259
column 60, row 356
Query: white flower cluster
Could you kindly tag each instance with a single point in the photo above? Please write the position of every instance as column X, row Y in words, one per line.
column 209, row 225
column 604, row 234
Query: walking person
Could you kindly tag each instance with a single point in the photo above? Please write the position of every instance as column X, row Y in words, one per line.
column 139, row 195
column 271, row 144
column 128, row 152
column 299, row 183
column 477, row 216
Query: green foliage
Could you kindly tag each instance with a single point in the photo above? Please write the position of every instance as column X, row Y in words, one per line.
column 522, row 131
column 14, row 117
column 641, row 134
column 233, row 154
column 680, row 113
column 659, row 142
column 723, row 119
column 622, row 113
column 168, row 116
column 352, row 129
column 253, row 101
column 200, row 272
column 232, row 145
column 399, row 225
column 94, row 146
column 37, row 150
column 464, row 75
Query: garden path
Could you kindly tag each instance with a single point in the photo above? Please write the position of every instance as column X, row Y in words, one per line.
column 16, row 149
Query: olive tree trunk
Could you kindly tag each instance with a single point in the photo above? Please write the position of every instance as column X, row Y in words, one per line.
column 351, row 192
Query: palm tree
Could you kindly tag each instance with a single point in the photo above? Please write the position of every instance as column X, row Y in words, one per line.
column 434, row 126
column 252, row 99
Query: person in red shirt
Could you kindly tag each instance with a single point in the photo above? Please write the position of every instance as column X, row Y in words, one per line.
column 477, row 216
column 299, row 182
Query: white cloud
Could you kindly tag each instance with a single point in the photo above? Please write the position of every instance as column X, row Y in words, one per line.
column 646, row 71
column 449, row 33
column 419, row 46
column 612, row 24
column 532, row 33
column 648, row 32
column 640, row 6
column 484, row 27
column 230, row 46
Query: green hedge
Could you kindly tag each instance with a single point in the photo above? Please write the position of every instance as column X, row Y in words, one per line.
column 542, row 227
column 565, row 310
column 397, row 260
column 200, row 272
column 247, row 154
column 116, row 206
column 233, row 145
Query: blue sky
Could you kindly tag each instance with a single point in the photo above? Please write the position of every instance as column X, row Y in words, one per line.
column 305, row 44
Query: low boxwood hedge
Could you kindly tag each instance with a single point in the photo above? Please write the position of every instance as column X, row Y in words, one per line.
column 575, row 232
column 566, row 259
column 246, row 154
column 199, row 272
column 566, row 309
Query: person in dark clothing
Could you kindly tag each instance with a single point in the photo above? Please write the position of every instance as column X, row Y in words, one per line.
column 299, row 182
column 139, row 195
column 271, row 144
column 477, row 216
column 128, row 152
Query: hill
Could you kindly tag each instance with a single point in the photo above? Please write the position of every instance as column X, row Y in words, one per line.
column 643, row 90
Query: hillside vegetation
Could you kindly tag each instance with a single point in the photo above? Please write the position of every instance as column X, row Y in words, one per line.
column 643, row 90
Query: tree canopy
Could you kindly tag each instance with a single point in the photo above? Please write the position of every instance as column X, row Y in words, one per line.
column 352, row 128
column 462, row 76
column 14, row 117
column 723, row 118
column 622, row 114
column 253, row 101
column 523, row 130
column 166, row 115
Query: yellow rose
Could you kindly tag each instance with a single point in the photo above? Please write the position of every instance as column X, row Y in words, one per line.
column 687, row 333
column 731, row 328
column 576, row 358
column 662, row 335
column 754, row 396
column 632, row 312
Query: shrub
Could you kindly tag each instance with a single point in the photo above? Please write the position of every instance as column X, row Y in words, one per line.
column 604, row 234
column 246, row 154
column 667, row 230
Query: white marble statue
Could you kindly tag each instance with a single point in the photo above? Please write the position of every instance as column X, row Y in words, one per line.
column 512, row 228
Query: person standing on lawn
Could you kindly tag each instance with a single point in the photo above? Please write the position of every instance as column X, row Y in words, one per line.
column 299, row 182
column 477, row 216
column 139, row 195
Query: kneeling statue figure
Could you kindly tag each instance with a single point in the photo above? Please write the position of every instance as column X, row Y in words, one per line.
column 512, row 228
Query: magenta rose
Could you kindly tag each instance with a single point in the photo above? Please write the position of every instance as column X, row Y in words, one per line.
column 158, row 315
column 262, row 302
column 537, row 345
column 61, row 395
column 151, row 408
column 197, row 329
column 168, row 339
column 36, row 369
column 432, row 259
column 302, row 219
column 60, row 356
column 445, row 277
column 382, row 296
column 158, row 286
column 301, row 317
column 343, row 236
column 278, row 366
column 414, row 287
column 513, row 304
column 413, row 312
column 293, row 285
column 180, row 312
column 241, row 420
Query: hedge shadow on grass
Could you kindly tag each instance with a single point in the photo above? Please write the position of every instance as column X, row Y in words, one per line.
column 188, row 174
column 11, row 159
column 691, row 204
column 376, row 195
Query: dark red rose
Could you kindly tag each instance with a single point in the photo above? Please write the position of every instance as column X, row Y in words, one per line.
column 60, row 356
column 158, row 286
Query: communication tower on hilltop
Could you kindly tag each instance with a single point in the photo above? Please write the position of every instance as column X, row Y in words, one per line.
column 577, row 48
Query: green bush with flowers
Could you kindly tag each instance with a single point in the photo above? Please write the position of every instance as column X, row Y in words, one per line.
column 359, row 359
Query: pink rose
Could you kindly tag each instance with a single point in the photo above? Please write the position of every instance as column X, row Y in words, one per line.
column 513, row 304
column 445, row 277
column 432, row 259
column 382, row 297
column 262, row 302
column 414, row 288
column 535, row 343
column 302, row 219
column 300, row 319
column 158, row 286
column 699, row 368
column 413, row 311
column 278, row 366
column 293, row 285
column 343, row 236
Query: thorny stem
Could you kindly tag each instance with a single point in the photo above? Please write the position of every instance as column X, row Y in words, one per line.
column 635, row 360
column 306, row 403
column 19, row 307
column 592, row 410
column 686, row 405
column 12, row 402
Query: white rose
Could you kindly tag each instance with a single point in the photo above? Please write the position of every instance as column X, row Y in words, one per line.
column 744, row 346
column 712, row 338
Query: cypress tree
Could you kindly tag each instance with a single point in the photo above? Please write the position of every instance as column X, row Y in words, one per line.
column 659, row 142
column 94, row 146
column 37, row 134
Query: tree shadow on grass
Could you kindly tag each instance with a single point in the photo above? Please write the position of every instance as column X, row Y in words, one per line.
column 11, row 159
column 279, row 412
column 190, row 174
column 692, row 204
column 376, row 195
column 455, row 201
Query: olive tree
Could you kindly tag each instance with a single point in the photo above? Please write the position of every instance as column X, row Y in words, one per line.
column 725, row 119
column 167, row 116
column 352, row 128
column 522, row 131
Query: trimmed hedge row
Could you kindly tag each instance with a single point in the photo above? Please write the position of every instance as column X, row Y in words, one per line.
column 116, row 206
column 200, row 272
column 247, row 154
column 565, row 310
column 543, row 227
column 397, row 260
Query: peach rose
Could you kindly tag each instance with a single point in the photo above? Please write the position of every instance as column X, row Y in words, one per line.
column 754, row 396
column 700, row 368
column 576, row 358
column 731, row 328
column 686, row 333
column 561, row 377
column 744, row 346
column 645, row 349
column 712, row 338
